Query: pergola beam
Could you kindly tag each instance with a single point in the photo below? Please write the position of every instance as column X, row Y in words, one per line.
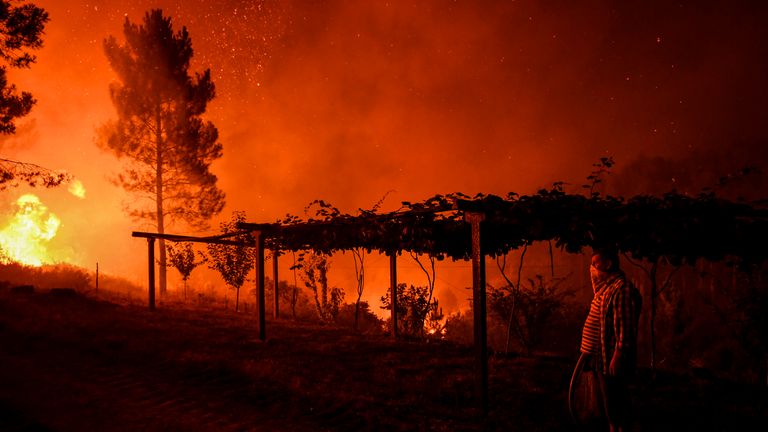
column 220, row 239
column 181, row 238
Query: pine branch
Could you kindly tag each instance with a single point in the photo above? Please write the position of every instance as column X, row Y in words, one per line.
column 12, row 173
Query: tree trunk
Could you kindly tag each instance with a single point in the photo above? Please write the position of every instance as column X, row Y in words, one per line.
column 237, row 299
column 159, row 199
column 357, row 313
column 515, row 298
column 358, row 258
column 295, row 293
column 654, row 288
column 509, row 326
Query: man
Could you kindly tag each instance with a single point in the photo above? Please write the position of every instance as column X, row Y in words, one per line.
column 609, row 338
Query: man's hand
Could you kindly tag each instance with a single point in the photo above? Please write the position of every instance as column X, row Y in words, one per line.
column 615, row 367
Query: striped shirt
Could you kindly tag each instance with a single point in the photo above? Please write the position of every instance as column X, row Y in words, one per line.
column 612, row 324
column 590, row 336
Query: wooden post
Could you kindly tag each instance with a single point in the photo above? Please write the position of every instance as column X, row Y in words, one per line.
column 260, row 285
column 97, row 276
column 478, row 305
column 276, row 309
column 393, row 292
column 151, row 254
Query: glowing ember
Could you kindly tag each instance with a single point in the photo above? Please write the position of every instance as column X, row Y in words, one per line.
column 77, row 189
column 25, row 237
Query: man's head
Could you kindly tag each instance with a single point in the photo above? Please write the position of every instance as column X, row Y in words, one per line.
column 605, row 260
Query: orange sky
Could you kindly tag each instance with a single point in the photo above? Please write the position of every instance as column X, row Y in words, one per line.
column 345, row 101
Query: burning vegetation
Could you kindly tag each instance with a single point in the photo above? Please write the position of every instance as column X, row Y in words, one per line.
column 26, row 235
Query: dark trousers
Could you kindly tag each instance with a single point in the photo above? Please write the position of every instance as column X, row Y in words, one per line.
column 615, row 400
column 595, row 399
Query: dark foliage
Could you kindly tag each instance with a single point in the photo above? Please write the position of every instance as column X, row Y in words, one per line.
column 232, row 262
column 415, row 312
column 533, row 309
column 314, row 274
column 360, row 317
column 21, row 30
column 678, row 227
column 183, row 258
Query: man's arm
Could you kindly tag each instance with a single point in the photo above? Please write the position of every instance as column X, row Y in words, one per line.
column 625, row 331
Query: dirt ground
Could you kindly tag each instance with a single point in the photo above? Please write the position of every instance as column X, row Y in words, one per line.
column 78, row 363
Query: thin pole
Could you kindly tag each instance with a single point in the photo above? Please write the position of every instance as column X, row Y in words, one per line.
column 478, row 305
column 276, row 309
column 97, row 276
column 151, row 254
column 260, row 285
column 393, row 293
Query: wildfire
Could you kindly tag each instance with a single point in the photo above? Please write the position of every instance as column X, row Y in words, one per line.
column 25, row 237
column 77, row 189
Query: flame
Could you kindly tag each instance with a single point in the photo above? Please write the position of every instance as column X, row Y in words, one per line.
column 25, row 237
column 77, row 189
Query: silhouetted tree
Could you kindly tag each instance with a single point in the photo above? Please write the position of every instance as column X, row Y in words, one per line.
column 358, row 255
column 652, row 272
column 183, row 258
column 314, row 273
column 534, row 307
column 295, row 290
column 159, row 131
column 284, row 291
column 430, row 274
column 21, row 30
column 416, row 309
column 233, row 262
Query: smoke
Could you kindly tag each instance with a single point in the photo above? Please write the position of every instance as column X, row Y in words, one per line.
column 428, row 98
column 345, row 101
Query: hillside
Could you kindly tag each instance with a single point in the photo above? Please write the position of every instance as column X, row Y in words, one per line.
column 71, row 363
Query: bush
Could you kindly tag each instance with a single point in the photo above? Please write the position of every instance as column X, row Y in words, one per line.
column 368, row 323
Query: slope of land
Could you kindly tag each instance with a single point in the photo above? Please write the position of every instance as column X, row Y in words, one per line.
column 73, row 363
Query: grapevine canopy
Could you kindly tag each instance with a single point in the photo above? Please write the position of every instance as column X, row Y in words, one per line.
column 678, row 227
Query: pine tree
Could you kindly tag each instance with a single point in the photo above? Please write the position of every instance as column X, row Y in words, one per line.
column 167, row 147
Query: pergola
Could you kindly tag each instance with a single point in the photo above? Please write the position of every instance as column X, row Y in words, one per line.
column 680, row 228
column 262, row 233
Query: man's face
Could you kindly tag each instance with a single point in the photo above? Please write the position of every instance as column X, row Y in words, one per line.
column 601, row 264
